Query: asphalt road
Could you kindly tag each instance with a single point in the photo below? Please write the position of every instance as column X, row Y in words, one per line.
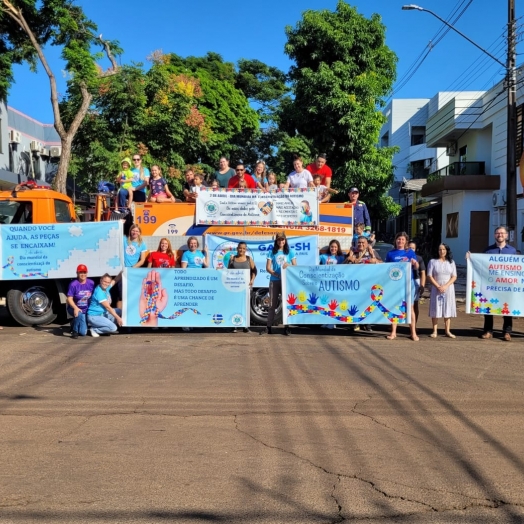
column 320, row 427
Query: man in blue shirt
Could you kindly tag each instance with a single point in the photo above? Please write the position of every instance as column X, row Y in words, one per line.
column 360, row 210
column 499, row 247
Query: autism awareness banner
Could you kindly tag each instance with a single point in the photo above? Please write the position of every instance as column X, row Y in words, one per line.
column 255, row 207
column 495, row 285
column 347, row 294
column 222, row 248
column 40, row 251
column 185, row 297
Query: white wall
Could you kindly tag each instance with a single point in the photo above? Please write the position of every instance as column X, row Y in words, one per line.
column 4, row 137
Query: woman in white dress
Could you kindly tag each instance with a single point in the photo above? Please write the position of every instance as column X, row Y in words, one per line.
column 442, row 274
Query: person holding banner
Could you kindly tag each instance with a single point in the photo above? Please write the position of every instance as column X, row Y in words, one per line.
column 101, row 317
column 442, row 273
column 402, row 253
column 363, row 254
column 278, row 258
column 334, row 256
column 499, row 247
column 242, row 261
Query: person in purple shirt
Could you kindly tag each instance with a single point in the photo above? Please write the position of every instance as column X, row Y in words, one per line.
column 78, row 296
column 402, row 253
column 499, row 247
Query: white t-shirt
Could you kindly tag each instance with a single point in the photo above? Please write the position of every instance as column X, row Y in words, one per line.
column 299, row 180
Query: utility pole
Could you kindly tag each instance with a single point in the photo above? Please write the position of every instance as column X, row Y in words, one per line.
column 511, row 170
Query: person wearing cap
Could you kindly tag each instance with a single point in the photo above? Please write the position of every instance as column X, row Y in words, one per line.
column 78, row 296
column 278, row 258
column 319, row 167
column 360, row 210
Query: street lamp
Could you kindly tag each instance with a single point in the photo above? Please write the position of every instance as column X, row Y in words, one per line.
column 511, row 83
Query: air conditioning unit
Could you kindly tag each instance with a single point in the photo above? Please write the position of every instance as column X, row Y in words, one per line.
column 15, row 137
column 55, row 151
column 451, row 150
column 499, row 198
column 427, row 163
column 35, row 146
column 44, row 151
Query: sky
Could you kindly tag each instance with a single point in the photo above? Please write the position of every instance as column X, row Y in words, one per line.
column 237, row 29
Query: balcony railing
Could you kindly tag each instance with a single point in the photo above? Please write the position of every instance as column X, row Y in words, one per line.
column 458, row 169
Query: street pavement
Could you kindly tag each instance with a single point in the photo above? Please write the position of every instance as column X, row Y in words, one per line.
column 324, row 426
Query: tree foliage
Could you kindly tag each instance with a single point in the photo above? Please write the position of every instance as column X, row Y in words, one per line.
column 342, row 70
column 26, row 27
column 180, row 111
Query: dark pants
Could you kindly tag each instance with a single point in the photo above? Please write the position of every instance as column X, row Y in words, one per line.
column 123, row 194
column 275, row 289
column 506, row 326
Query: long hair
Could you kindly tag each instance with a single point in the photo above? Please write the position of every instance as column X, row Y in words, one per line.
column 169, row 249
column 401, row 234
column 139, row 239
column 449, row 254
column 339, row 249
column 275, row 245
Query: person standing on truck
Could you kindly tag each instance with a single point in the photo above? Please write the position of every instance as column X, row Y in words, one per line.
column 319, row 167
column 360, row 210
column 102, row 319
column 278, row 258
column 300, row 178
column 141, row 181
column 240, row 177
column 224, row 172
column 78, row 296
column 188, row 192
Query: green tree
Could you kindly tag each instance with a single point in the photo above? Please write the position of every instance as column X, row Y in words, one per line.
column 26, row 27
column 343, row 70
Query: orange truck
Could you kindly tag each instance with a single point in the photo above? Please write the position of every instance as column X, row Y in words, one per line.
column 35, row 302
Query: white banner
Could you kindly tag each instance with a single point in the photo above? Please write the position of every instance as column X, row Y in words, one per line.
column 255, row 207
column 495, row 285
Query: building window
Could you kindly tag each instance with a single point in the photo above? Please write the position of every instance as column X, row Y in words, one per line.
column 452, row 225
column 418, row 135
column 384, row 141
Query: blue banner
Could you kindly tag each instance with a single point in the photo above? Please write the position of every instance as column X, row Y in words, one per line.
column 347, row 294
column 40, row 251
column 185, row 297
column 495, row 284
column 221, row 248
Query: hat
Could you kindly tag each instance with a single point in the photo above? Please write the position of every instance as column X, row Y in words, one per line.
column 81, row 269
column 353, row 190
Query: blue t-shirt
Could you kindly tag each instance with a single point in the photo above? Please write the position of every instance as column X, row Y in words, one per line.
column 194, row 259
column 95, row 309
column 137, row 181
column 401, row 255
column 327, row 260
column 132, row 251
column 278, row 260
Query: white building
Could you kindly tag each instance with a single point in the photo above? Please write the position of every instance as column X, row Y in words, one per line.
column 455, row 179
column 28, row 149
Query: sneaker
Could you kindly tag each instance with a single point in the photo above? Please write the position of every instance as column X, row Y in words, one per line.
column 234, row 330
column 357, row 328
column 74, row 334
column 266, row 331
column 287, row 331
column 93, row 333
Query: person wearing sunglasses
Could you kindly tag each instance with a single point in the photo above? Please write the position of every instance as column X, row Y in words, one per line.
column 78, row 296
column 241, row 175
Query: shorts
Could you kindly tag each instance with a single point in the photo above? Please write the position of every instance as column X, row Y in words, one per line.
column 415, row 290
column 161, row 194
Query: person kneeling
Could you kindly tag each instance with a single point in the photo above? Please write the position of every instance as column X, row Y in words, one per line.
column 102, row 319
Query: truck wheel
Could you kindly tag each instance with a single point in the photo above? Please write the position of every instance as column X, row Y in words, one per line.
column 259, row 305
column 32, row 306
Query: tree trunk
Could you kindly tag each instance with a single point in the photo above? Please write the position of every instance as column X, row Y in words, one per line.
column 59, row 183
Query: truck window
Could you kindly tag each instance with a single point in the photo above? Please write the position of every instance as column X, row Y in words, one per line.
column 12, row 212
column 62, row 213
